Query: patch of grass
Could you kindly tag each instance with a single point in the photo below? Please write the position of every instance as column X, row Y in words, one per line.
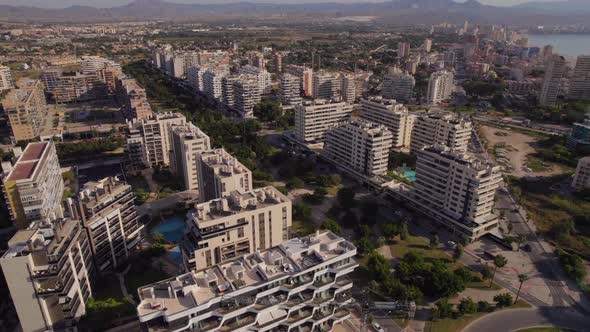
column 301, row 229
column 535, row 164
column 421, row 246
column 458, row 324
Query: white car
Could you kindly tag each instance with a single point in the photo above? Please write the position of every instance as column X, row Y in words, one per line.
column 452, row 244
column 377, row 327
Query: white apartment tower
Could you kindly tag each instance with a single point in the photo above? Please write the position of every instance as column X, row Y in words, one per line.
column 6, row 81
column 582, row 175
column 348, row 87
column 440, row 86
column 299, row 285
column 326, row 85
column 290, row 89
column 106, row 211
column 359, row 146
column 49, row 271
column 398, row 86
column 441, row 129
column 392, row 115
column 305, row 74
column 154, row 132
column 33, row 186
column 261, row 75
column 456, row 190
column 220, row 173
column 247, row 94
column 239, row 224
column 580, row 83
column 212, row 83
column 403, row 50
column 187, row 142
column 552, row 80
column 313, row 119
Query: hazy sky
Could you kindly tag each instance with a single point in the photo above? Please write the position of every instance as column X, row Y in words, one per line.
column 111, row 3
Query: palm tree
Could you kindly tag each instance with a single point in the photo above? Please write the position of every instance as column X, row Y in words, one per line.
column 499, row 261
column 520, row 239
column 522, row 278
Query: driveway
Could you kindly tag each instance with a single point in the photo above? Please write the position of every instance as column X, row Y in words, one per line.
column 510, row 320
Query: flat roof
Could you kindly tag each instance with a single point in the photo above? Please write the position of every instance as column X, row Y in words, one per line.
column 23, row 171
column 33, row 151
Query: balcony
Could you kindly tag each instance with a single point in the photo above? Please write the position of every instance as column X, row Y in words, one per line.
column 340, row 313
column 231, row 305
column 207, row 325
column 323, row 313
column 297, row 299
column 269, row 301
column 323, row 280
column 162, row 326
column 343, row 297
column 238, row 322
column 299, row 315
column 278, row 319
column 343, row 281
column 299, row 281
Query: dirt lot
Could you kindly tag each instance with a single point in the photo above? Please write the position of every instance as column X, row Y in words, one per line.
column 517, row 147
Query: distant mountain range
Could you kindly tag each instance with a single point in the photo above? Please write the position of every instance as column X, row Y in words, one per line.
column 395, row 11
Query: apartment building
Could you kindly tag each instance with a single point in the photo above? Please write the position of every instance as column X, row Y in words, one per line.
column 580, row 135
column 92, row 64
column 392, row 115
column 348, row 88
column 552, row 80
column 524, row 87
column 305, row 75
column 194, row 77
column 187, row 142
column 403, row 50
column 177, row 66
column 6, row 81
column 228, row 97
column 290, row 89
column 133, row 98
column 73, row 87
column 33, row 186
column 155, row 136
column 456, row 190
column 223, row 229
column 136, row 153
column 212, row 83
column 441, row 129
column 441, row 85
column 106, row 211
column 109, row 74
column 247, row 93
column 299, row 285
column 220, row 173
column 582, row 175
column 398, row 86
column 313, row 119
column 49, row 271
column 262, row 76
column 359, row 146
column 326, row 85
column 580, row 82
column 26, row 109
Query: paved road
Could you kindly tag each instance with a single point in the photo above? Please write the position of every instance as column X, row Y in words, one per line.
column 514, row 319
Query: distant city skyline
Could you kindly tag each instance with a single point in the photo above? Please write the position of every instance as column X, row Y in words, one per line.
column 112, row 3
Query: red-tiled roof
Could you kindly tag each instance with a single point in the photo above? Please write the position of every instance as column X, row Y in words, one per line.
column 22, row 171
column 33, row 151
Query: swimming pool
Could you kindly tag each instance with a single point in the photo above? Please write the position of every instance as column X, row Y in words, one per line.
column 409, row 174
column 175, row 255
column 171, row 228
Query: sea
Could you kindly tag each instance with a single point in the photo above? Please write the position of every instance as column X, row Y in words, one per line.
column 569, row 45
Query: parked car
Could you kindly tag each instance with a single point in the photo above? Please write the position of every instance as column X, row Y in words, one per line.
column 377, row 327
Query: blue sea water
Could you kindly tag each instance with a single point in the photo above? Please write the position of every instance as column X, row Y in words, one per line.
column 171, row 228
column 564, row 44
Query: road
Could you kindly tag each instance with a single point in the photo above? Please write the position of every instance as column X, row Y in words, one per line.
column 514, row 319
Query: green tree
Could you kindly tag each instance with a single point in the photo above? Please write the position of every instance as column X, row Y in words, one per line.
column 349, row 219
column 301, row 212
column 434, row 241
column 444, row 308
column 390, row 230
column 458, row 252
column 483, row 306
column 331, row 225
column 499, row 262
column 521, row 278
column 295, row 183
column 364, row 246
column 486, row 272
column 467, row 306
column 378, row 266
column 503, row 300
column 404, row 234
column 520, row 239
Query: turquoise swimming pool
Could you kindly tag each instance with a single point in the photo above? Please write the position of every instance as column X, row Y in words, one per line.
column 409, row 174
column 175, row 255
column 171, row 228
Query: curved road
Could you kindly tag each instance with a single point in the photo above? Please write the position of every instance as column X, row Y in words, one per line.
column 510, row 320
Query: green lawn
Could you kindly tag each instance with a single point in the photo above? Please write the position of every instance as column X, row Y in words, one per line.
column 535, row 164
column 107, row 287
column 454, row 325
column 301, row 229
column 421, row 246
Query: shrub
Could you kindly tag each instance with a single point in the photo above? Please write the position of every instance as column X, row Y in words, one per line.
column 467, row 306
column 484, row 306
column 503, row 300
